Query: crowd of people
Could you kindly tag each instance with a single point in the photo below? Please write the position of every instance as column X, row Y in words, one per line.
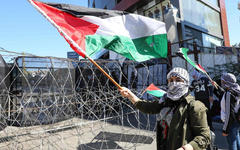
column 185, row 121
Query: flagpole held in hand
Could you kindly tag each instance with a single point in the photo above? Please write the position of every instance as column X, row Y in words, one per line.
column 182, row 53
column 205, row 72
column 104, row 72
column 213, row 82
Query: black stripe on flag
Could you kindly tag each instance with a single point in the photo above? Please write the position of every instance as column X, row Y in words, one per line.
column 80, row 11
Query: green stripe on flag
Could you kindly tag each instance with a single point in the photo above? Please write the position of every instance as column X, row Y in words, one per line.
column 140, row 49
column 184, row 52
column 157, row 93
column 154, row 46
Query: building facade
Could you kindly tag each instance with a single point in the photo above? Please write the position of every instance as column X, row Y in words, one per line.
column 203, row 21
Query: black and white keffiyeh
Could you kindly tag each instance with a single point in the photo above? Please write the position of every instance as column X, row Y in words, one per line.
column 230, row 82
column 177, row 89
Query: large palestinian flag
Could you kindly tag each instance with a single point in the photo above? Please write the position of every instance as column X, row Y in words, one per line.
column 89, row 30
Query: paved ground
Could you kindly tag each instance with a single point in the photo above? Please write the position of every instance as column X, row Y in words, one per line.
column 87, row 136
column 220, row 141
column 76, row 134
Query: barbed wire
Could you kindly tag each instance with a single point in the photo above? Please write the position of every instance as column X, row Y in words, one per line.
column 59, row 103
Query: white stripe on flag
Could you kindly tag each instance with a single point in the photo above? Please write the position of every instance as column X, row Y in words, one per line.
column 131, row 25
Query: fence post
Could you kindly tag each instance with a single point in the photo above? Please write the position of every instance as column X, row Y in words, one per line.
column 170, row 53
column 195, row 52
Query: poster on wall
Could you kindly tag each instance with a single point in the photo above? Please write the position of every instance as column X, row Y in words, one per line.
column 157, row 11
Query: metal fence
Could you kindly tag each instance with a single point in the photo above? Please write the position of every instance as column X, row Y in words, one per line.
column 47, row 103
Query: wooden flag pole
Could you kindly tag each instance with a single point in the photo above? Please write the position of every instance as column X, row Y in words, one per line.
column 74, row 43
column 104, row 72
column 213, row 82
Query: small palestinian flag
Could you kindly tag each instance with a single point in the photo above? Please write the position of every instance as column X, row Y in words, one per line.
column 89, row 30
column 184, row 51
column 155, row 91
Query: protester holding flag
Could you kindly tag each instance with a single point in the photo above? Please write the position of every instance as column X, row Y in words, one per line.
column 230, row 110
column 203, row 91
column 185, row 119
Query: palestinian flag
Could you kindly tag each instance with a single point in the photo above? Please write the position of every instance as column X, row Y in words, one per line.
column 89, row 30
column 185, row 56
column 155, row 91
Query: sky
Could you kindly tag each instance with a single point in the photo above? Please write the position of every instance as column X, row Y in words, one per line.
column 24, row 29
column 233, row 18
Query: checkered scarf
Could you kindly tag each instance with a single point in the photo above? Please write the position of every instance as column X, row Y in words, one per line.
column 177, row 89
column 230, row 82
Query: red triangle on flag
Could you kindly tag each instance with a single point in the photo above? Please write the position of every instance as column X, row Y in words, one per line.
column 201, row 67
column 152, row 87
column 74, row 27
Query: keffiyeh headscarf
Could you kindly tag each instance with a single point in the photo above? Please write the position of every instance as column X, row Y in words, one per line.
column 177, row 89
column 230, row 82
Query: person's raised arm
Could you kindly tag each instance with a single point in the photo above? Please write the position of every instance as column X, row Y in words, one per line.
column 149, row 107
